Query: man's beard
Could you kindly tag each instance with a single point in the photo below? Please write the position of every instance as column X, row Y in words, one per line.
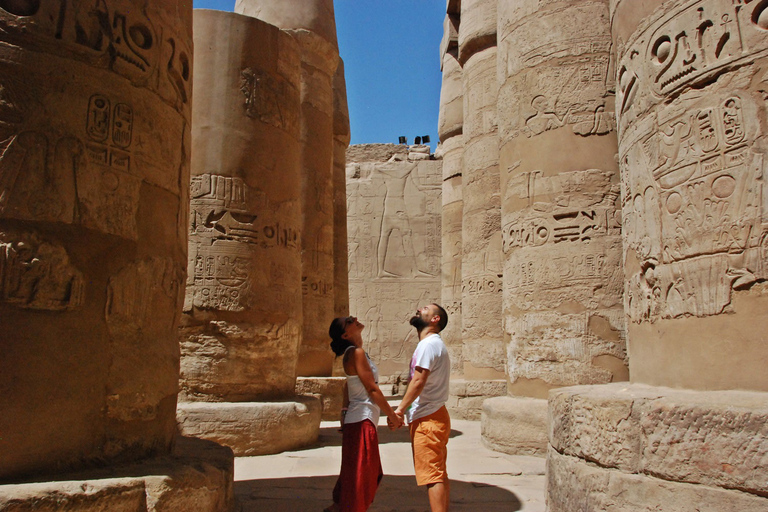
column 418, row 322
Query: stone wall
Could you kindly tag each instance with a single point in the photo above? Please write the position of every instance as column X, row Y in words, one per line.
column 393, row 225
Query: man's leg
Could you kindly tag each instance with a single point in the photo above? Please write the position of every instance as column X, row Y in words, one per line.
column 439, row 496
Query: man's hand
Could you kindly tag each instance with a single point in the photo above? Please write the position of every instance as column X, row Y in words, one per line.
column 395, row 421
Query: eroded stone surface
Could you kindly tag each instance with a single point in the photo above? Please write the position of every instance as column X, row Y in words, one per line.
column 515, row 425
column 573, row 484
column 330, row 391
column 393, row 222
column 710, row 438
column 197, row 477
column 467, row 396
column 253, row 428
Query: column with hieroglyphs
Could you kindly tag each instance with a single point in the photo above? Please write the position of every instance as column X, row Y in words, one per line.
column 484, row 351
column 312, row 24
column 242, row 322
column 94, row 160
column 563, row 312
column 692, row 120
column 341, row 138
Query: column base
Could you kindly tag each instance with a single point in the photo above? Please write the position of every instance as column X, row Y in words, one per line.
column 467, row 396
column 634, row 447
column 515, row 425
column 330, row 391
column 253, row 428
column 197, row 477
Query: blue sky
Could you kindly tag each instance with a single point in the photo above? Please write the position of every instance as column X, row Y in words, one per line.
column 392, row 63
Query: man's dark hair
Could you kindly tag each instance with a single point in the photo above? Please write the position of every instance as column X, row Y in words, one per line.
column 443, row 316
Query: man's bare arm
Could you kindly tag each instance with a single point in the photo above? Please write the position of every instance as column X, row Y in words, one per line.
column 415, row 387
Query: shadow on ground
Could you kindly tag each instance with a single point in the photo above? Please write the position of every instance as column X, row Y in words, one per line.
column 395, row 494
column 330, row 436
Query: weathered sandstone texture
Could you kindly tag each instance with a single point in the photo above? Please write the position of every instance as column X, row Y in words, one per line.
column 515, row 425
column 692, row 144
column 662, row 438
column 94, row 161
column 241, row 327
column 254, row 428
column 393, row 225
column 483, row 347
column 196, row 477
column 312, row 24
column 330, row 391
column 561, row 216
column 467, row 396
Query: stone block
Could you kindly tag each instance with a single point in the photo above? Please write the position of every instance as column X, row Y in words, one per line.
column 515, row 425
column 197, row 477
column 253, row 428
column 330, row 391
column 715, row 438
column 575, row 485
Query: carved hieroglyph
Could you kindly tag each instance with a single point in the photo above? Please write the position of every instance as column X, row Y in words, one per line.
column 94, row 155
column 561, row 222
column 242, row 314
column 692, row 99
column 312, row 24
column 393, row 225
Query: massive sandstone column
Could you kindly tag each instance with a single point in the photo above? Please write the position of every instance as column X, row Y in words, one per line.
column 449, row 128
column 241, row 328
column 341, row 138
column 560, row 211
column 481, row 268
column 94, row 124
column 312, row 24
column 691, row 104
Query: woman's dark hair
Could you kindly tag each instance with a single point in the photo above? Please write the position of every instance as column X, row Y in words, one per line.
column 338, row 344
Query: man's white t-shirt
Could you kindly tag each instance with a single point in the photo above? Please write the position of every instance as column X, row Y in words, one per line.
column 431, row 354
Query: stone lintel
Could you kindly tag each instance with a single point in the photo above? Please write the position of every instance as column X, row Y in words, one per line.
column 253, row 428
column 515, row 425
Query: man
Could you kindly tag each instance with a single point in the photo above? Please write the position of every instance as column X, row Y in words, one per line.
column 423, row 405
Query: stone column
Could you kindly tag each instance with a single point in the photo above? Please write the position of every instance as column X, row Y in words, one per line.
column 449, row 128
column 313, row 25
column 341, row 138
column 242, row 322
column 483, row 347
column 92, row 238
column 692, row 119
column 561, row 222
column 94, row 164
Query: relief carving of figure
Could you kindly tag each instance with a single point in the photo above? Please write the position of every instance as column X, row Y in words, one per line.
column 545, row 118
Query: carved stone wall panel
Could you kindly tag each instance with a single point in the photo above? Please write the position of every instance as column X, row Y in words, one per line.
column 561, row 218
column 481, row 267
column 453, row 212
column 394, row 230
column 691, row 101
column 312, row 24
column 94, row 147
column 242, row 319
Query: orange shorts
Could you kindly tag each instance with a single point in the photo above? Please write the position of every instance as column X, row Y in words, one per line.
column 429, row 441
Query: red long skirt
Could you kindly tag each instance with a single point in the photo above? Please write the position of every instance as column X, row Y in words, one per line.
column 360, row 467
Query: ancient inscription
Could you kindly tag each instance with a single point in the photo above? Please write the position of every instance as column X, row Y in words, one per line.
column 35, row 274
column 123, row 36
column 265, row 96
column 686, row 45
column 134, row 293
column 226, row 234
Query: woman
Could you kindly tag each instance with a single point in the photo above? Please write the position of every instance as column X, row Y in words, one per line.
column 360, row 463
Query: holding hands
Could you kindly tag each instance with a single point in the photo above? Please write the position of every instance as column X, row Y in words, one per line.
column 395, row 420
